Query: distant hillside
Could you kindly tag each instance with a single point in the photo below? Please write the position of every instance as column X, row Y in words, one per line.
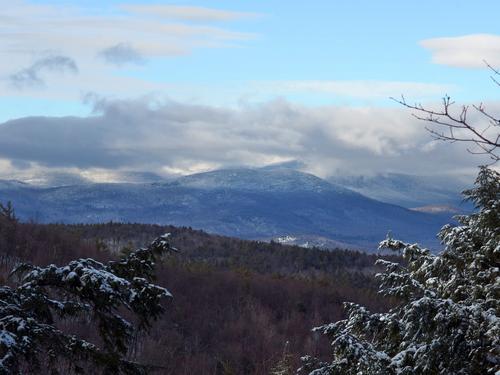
column 236, row 303
column 246, row 203
column 227, row 252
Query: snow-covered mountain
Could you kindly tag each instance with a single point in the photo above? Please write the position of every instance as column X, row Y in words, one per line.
column 261, row 180
column 246, row 203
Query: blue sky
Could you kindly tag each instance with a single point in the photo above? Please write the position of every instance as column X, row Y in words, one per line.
column 68, row 58
column 302, row 41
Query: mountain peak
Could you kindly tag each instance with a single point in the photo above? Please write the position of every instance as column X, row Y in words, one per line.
column 275, row 179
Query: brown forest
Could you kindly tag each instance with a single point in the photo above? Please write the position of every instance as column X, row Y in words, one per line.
column 236, row 303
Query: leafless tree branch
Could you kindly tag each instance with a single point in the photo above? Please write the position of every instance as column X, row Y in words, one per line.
column 451, row 125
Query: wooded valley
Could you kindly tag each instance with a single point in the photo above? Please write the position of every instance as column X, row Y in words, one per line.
column 239, row 307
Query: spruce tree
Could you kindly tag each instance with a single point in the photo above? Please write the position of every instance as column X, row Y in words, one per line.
column 99, row 293
column 284, row 365
column 447, row 321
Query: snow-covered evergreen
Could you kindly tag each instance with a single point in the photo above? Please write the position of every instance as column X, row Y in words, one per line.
column 447, row 321
column 284, row 365
column 30, row 341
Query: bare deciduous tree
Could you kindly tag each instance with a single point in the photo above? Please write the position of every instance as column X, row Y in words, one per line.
column 453, row 124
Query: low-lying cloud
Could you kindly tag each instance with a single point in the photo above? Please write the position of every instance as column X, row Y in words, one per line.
column 181, row 138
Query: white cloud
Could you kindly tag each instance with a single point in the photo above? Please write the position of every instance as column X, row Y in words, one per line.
column 192, row 13
column 468, row 51
column 29, row 32
column 357, row 89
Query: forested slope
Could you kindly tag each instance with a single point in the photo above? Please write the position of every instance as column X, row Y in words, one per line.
column 236, row 303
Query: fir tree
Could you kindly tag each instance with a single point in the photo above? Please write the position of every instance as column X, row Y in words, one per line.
column 284, row 365
column 31, row 342
column 448, row 318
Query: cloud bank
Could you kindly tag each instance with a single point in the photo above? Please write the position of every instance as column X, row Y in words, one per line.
column 172, row 137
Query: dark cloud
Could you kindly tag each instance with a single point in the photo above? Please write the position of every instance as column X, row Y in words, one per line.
column 121, row 54
column 139, row 135
column 32, row 75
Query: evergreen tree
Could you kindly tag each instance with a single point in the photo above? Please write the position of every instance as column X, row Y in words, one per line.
column 447, row 321
column 8, row 227
column 284, row 365
column 30, row 340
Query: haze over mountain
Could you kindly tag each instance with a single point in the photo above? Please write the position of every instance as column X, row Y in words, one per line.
column 408, row 190
column 66, row 178
column 247, row 203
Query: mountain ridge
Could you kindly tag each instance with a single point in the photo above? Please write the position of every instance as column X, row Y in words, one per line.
column 246, row 203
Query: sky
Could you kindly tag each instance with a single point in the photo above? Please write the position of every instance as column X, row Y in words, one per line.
column 99, row 88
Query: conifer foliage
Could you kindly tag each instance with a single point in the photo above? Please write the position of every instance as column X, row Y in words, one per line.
column 30, row 313
column 448, row 318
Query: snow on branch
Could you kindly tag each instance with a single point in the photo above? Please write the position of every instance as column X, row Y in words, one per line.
column 82, row 288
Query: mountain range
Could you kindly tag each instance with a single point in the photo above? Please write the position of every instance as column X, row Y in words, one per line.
column 264, row 204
